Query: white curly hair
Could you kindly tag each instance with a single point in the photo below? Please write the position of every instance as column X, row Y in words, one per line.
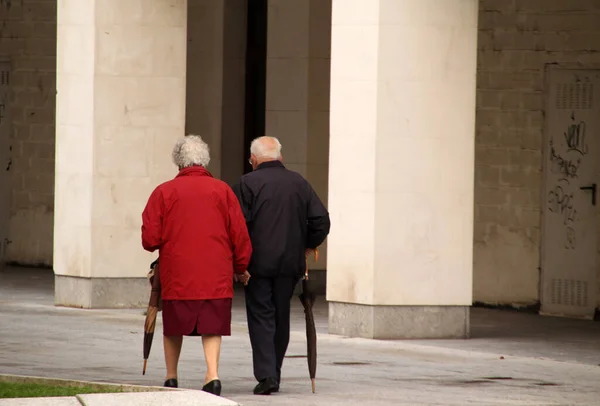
column 191, row 150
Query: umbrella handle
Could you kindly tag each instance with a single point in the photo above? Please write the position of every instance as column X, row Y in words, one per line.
column 316, row 257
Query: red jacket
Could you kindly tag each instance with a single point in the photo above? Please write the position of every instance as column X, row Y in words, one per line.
column 196, row 223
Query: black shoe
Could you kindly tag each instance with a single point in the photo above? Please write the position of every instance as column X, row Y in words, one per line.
column 213, row 387
column 171, row 383
column 277, row 388
column 266, row 386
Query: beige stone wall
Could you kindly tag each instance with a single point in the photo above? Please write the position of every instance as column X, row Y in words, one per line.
column 28, row 41
column 517, row 39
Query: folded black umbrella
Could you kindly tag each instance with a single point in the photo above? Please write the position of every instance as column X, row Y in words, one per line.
column 308, row 297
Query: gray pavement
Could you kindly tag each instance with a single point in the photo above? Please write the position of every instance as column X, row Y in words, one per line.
column 511, row 359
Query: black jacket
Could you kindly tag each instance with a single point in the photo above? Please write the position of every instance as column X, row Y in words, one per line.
column 284, row 217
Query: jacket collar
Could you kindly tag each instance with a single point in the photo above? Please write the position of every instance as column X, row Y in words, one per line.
column 194, row 171
column 270, row 164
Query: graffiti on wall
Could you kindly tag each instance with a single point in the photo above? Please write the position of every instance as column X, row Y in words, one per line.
column 565, row 163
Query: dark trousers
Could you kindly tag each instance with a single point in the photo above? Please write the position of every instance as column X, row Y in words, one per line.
column 268, row 310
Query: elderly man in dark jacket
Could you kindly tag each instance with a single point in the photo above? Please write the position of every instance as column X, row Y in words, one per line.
column 285, row 218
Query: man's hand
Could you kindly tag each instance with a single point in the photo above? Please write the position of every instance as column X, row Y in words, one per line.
column 312, row 252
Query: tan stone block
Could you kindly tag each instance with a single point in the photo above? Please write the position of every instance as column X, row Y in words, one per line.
column 42, row 133
column 45, row 200
column 485, row 40
column 17, row 115
column 485, row 156
column 480, row 232
column 20, row 200
column 489, row 99
column 486, row 119
column 22, row 97
column 501, row 6
column 44, row 165
column 318, row 138
column 17, row 29
column 45, row 29
column 287, row 84
column 553, row 41
column 487, row 176
column 39, row 115
column 491, row 196
column 518, row 177
column 532, row 101
column 531, row 138
column 40, row 46
column 40, row 11
column 318, row 84
column 320, row 29
column 526, row 158
column 514, row 80
column 487, row 137
column 519, row 40
column 38, row 150
column 528, row 198
column 42, row 81
column 529, row 217
column 495, row 215
column 495, row 20
column 43, row 183
column 510, row 100
column 12, row 46
column 288, row 33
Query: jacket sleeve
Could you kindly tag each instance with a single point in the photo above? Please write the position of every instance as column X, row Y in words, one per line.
column 152, row 221
column 238, row 234
column 244, row 196
column 318, row 221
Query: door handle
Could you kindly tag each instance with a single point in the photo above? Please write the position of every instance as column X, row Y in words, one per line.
column 593, row 187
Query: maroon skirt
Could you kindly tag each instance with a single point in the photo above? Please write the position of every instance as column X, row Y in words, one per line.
column 196, row 317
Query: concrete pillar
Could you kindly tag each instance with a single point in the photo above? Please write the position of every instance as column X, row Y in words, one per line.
column 297, row 94
column 121, row 69
column 401, row 168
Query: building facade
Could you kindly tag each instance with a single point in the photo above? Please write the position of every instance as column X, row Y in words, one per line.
column 453, row 142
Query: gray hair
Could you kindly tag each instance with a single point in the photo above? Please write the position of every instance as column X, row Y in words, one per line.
column 189, row 151
column 266, row 148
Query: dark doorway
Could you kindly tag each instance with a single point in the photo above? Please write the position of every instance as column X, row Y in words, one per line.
column 256, row 74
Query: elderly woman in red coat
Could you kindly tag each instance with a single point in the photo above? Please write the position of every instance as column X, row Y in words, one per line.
column 196, row 223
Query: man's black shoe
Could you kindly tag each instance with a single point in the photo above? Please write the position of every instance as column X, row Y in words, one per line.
column 266, row 387
column 171, row 383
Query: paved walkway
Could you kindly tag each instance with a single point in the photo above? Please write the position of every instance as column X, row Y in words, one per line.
column 512, row 359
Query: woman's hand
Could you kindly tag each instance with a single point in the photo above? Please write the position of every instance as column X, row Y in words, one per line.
column 243, row 278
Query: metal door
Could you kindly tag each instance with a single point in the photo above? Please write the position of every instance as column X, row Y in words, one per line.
column 5, row 142
column 570, row 206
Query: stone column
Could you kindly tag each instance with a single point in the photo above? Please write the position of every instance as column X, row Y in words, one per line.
column 121, row 69
column 401, row 168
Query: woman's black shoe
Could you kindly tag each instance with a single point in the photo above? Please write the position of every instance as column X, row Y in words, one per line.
column 171, row 383
column 213, row 387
